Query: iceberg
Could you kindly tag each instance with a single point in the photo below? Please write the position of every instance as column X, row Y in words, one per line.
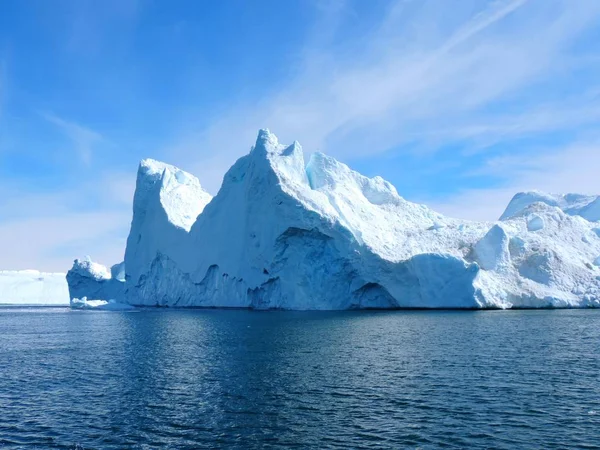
column 586, row 206
column 31, row 287
column 283, row 233
column 92, row 280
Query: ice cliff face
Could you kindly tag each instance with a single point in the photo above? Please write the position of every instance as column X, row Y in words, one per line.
column 30, row 287
column 282, row 233
column 166, row 203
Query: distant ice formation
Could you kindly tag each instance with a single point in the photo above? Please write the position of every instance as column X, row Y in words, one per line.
column 286, row 234
column 586, row 206
column 30, row 287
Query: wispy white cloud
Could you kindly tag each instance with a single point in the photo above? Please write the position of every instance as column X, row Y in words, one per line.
column 481, row 133
column 49, row 242
column 47, row 230
column 83, row 139
column 414, row 82
column 574, row 168
column 495, row 12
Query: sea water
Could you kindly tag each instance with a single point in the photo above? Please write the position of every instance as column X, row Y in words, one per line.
column 161, row 378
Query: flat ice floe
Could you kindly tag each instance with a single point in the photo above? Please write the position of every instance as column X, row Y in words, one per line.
column 31, row 287
column 99, row 305
column 289, row 234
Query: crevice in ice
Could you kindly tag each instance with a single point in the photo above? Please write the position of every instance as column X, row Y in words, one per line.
column 373, row 296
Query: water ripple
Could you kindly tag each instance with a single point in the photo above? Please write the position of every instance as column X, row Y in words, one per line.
column 240, row 379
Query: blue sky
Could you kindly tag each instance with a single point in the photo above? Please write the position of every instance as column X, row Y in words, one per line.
column 459, row 104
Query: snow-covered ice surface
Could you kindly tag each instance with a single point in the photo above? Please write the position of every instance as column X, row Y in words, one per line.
column 30, row 287
column 282, row 233
column 99, row 305
column 586, row 206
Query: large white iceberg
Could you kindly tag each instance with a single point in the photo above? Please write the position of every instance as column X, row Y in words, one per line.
column 31, row 287
column 282, row 233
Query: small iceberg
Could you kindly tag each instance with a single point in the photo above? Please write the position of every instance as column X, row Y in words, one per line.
column 100, row 305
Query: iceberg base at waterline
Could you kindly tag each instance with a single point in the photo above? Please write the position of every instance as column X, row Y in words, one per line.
column 92, row 280
column 283, row 233
column 99, row 305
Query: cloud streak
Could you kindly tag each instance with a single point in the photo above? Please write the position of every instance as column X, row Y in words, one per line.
column 575, row 166
column 83, row 139
column 47, row 230
column 48, row 242
column 414, row 88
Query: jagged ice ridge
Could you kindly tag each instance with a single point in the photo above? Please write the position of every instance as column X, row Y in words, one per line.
column 282, row 233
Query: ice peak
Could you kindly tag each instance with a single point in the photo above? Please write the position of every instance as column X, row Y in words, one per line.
column 86, row 267
column 179, row 193
column 266, row 142
column 153, row 171
column 326, row 172
column 152, row 168
column 295, row 147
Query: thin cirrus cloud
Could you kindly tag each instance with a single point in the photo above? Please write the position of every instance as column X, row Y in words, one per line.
column 83, row 139
column 485, row 77
column 47, row 243
column 46, row 230
column 576, row 166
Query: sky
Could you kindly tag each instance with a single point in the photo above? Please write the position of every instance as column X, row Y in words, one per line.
column 460, row 104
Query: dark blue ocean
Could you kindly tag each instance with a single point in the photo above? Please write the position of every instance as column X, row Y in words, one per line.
column 174, row 379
